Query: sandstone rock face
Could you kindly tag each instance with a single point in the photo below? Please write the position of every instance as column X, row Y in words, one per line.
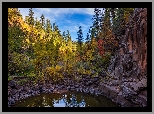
column 132, row 67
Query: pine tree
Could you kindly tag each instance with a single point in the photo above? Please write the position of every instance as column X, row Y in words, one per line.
column 31, row 17
column 80, row 40
column 96, row 22
column 48, row 28
column 87, row 38
column 58, row 31
column 64, row 35
column 119, row 19
column 68, row 36
column 80, row 36
column 54, row 24
column 106, row 24
column 42, row 21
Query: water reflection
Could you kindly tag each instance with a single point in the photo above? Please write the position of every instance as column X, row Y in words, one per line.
column 72, row 102
column 75, row 103
column 66, row 100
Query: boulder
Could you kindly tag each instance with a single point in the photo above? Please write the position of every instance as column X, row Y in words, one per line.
column 127, row 74
column 12, row 101
column 142, row 100
column 25, row 88
column 14, row 91
column 113, row 91
column 77, row 89
column 128, row 93
column 68, row 88
column 12, row 84
column 81, row 90
column 40, row 89
column 97, row 91
column 91, row 90
column 115, row 82
column 137, row 86
column 76, row 86
column 120, row 99
column 72, row 88
column 88, row 83
column 106, row 91
column 102, row 73
column 144, row 93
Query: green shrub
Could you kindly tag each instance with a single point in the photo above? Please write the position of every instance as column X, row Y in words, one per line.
column 19, row 64
column 9, row 78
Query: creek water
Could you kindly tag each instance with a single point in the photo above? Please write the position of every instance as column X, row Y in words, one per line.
column 68, row 99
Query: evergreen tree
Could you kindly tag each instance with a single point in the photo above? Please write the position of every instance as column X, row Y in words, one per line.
column 119, row 19
column 87, row 38
column 106, row 24
column 96, row 22
column 48, row 28
column 80, row 36
column 31, row 17
column 42, row 21
column 80, row 40
column 64, row 35
column 68, row 35
column 54, row 24
column 58, row 31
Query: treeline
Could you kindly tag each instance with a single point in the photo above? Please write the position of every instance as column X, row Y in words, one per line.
column 38, row 50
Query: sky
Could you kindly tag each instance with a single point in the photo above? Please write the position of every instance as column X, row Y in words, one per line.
column 66, row 18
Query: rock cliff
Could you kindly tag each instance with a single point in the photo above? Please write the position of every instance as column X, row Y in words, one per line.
column 129, row 65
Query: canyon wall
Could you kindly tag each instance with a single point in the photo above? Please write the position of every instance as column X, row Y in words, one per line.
column 129, row 65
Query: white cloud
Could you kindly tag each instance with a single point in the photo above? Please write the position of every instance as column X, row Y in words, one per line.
column 73, row 26
column 74, row 10
column 60, row 11
column 43, row 10
column 89, row 11
column 37, row 13
column 84, row 26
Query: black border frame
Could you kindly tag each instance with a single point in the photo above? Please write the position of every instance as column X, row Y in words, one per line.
column 6, row 5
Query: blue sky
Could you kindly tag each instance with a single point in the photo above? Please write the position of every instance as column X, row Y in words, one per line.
column 66, row 18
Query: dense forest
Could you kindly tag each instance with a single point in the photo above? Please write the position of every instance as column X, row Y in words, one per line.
column 38, row 50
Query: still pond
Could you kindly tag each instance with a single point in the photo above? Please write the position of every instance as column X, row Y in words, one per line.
column 68, row 99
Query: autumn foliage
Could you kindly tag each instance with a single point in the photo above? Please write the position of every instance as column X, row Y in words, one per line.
column 101, row 47
column 38, row 49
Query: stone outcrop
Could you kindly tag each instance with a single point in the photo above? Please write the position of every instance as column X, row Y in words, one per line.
column 129, row 65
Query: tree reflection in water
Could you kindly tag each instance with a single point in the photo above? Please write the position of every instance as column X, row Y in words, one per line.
column 68, row 99
column 73, row 102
